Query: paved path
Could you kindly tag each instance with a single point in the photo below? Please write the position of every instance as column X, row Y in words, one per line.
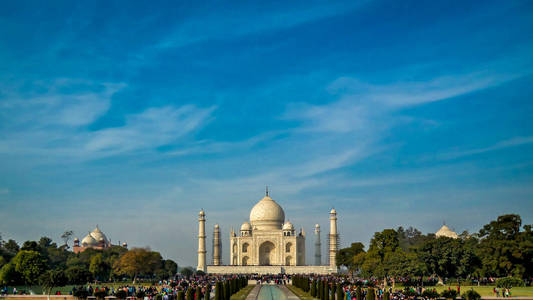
column 254, row 292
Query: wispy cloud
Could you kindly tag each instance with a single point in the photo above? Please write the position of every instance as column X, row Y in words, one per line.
column 508, row 143
column 361, row 104
column 150, row 129
column 56, row 124
column 235, row 23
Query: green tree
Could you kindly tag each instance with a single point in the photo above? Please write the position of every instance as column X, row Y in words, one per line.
column 198, row 293
column 189, row 294
column 30, row 264
column 98, row 267
column 66, row 236
column 370, row 294
column 187, row 271
column 12, row 246
column 504, row 250
column 170, row 267
column 218, row 291
column 448, row 257
column 138, row 261
column 8, row 275
column 378, row 261
column 31, row 246
column 345, row 256
column 227, row 293
column 52, row 278
column 340, row 292
column 45, row 242
column 411, row 238
column 313, row 288
column 78, row 275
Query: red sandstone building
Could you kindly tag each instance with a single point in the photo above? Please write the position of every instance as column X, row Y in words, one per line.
column 96, row 239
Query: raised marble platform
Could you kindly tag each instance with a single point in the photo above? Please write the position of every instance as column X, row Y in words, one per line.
column 263, row 270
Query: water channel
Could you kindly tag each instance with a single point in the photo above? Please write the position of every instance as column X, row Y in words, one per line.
column 271, row 292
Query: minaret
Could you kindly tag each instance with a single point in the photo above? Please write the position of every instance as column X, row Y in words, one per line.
column 201, row 242
column 217, row 247
column 318, row 246
column 333, row 238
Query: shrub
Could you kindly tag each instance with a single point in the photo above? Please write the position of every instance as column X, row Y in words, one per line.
column 409, row 292
column 471, row 295
column 140, row 294
column 121, row 294
column 158, row 297
column 431, row 294
column 359, row 293
column 207, row 295
column 370, row 295
column 189, row 295
column 219, row 291
column 198, row 293
column 386, row 295
column 340, row 291
column 449, row 294
column 509, row 282
column 100, row 294
column 80, row 293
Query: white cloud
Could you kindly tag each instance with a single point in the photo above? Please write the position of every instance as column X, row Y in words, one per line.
column 151, row 128
column 234, row 23
column 513, row 142
column 56, row 125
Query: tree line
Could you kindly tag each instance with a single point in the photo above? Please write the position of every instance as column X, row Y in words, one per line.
column 42, row 261
column 502, row 248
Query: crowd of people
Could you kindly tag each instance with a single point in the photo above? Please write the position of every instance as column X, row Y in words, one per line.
column 200, row 285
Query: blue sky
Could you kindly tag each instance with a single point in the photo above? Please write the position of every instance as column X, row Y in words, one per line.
column 134, row 116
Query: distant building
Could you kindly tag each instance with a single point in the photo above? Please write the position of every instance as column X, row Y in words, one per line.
column 96, row 239
column 447, row 232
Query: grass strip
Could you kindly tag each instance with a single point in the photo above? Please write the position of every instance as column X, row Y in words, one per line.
column 301, row 294
column 242, row 294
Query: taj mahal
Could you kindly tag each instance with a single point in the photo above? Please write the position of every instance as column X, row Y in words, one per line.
column 267, row 244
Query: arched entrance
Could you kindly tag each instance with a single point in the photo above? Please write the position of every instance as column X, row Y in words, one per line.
column 266, row 254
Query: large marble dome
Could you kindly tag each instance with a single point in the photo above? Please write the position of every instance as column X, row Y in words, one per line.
column 267, row 215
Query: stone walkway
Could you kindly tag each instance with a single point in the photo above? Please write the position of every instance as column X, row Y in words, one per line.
column 254, row 292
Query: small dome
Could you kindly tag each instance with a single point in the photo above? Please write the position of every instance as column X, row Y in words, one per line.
column 333, row 211
column 216, row 226
column 99, row 236
column 201, row 213
column 288, row 226
column 267, row 215
column 446, row 232
column 317, row 226
column 76, row 239
column 88, row 240
column 246, row 226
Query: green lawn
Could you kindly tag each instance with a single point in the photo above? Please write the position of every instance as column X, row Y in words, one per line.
column 487, row 290
column 241, row 295
column 298, row 292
